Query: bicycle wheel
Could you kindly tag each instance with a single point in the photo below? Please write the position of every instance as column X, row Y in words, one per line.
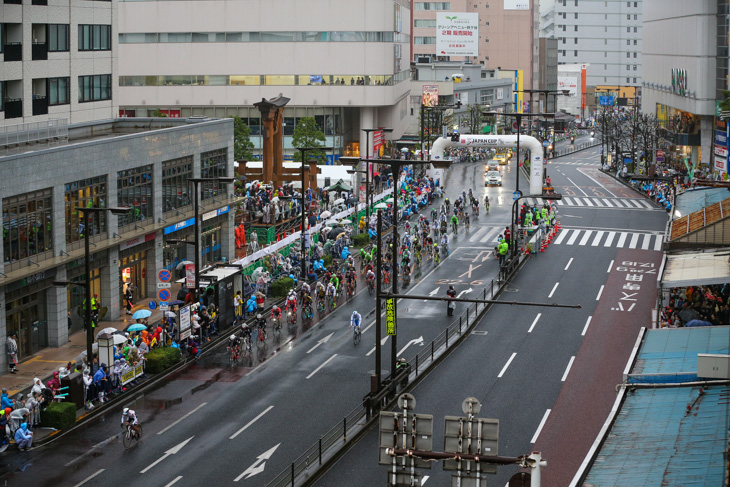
column 356, row 337
column 127, row 439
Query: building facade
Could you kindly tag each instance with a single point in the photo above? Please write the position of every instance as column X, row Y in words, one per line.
column 607, row 34
column 681, row 76
column 344, row 63
column 424, row 29
column 141, row 164
column 59, row 61
column 548, row 72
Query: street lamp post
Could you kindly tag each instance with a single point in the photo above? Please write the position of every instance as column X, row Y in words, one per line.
column 196, row 210
column 117, row 210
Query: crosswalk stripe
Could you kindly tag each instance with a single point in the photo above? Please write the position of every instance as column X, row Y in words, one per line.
column 646, row 242
column 598, row 202
column 489, row 235
column 560, row 202
column 646, row 204
column 607, row 202
column 586, row 236
column 634, row 240
column 561, row 236
column 567, row 201
column 597, row 240
column 621, row 240
column 571, row 241
column 658, row 242
column 609, row 239
column 478, row 234
column 589, row 202
column 636, row 204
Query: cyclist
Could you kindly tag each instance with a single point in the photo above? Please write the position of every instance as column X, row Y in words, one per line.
column 306, row 289
column 368, row 268
column 334, row 281
column 436, row 255
column 445, row 244
column 355, row 320
column 276, row 314
column 370, row 277
column 486, row 202
column 291, row 300
column 234, row 343
column 307, row 303
column 443, row 226
column 454, row 223
column 466, row 220
column 129, row 417
column 332, row 291
column 261, row 322
column 246, row 332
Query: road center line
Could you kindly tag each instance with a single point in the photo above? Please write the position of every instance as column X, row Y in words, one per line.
column 534, row 322
column 585, row 328
column 597, row 182
column 609, row 267
column 95, row 447
column 599, row 293
column 251, row 422
column 578, row 187
column 568, row 265
column 554, row 288
column 179, row 420
column 325, row 363
column 89, row 478
column 539, row 428
column 504, row 369
column 171, row 483
column 567, row 369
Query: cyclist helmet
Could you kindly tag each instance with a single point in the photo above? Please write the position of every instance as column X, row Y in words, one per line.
column 258, row 316
column 232, row 337
column 435, row 245
column 354, row 313
column 125, row 411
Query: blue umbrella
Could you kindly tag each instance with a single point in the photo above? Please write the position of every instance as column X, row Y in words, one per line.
column 137, row 327
column 142, row 313
column 177, row 302
column 697, row 323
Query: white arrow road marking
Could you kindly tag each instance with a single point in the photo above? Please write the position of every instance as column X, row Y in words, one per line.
column 325, row 363
column 323, row 340
column 251, row 422
column 258, row 466
column 175, row 449
column 434, row 292
column 486, row 254
column 467, row 291
column 425, row 478
column 382, row 342
column 415, row 341
column 179, row 420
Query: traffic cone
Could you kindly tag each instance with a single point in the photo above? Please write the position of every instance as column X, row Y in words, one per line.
column 542, row 246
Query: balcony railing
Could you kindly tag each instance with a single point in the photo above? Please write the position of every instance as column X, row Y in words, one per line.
column 40, row 51
column 13, row 108
column 40, row 105
column 13, row 51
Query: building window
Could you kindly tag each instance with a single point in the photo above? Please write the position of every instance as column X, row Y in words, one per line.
column 628, row 29
column 628, row 16
column 425, row 23
column 424, row 40
column 575, row 53
column 636, row 17
column 95, row 37
column 628, row 54
column 563, row 28
column 634, row 55
column 575, row 28
column 59, row 91
column 628, row 67
column 634, row 41
column 576, row 15
column 628, row 42
column 433, row 6
column 58, row 37
column 175, row 191
column 134, row 190
column 575, row 41
column 634, row 80
column 563, row 40
column 27, row 225
column 95, row 88
column 628, row 80
column 486, row 97
column 87, row 193
column 634, row 67
column 635, row 30
column 213, row 164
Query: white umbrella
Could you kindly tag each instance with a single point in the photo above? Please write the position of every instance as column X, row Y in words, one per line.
column 380, row 206
column 119, row 339
column 111, row 330
column 339, row 201
column 257, row 273
column 170, row 314
column 274, row 199
column 404, row 149
column 325, row 214
column 183, row 263
column 345, row 221
column 331, row 223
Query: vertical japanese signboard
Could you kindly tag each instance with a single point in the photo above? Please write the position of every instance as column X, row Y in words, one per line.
column 390, row 316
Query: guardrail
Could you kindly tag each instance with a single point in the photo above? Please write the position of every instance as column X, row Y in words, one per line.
column 575, row 148
column 357, row 421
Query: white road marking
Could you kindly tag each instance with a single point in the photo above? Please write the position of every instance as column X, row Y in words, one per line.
column 658, row 243
column 320, row 342
column 607, row 202
column 539, row 428
column 599, row 293
column 325, row 363
column 554, row 288
column 534, row 322
column 181, row 419
column 425, row 478
column 251, row 422
column 609, row 239
column 621, row 240
column 589, row 202
column 634, row 240
column 504, row 369
column 565, row 198
column 597, row 182
column 171, row 483
column 585, row 328
column 637, row 204
column 647, row 241
column 478, row 234
column 172, row 451
column 489, row 235
column 561, row 236
column 89, row 478
column 609, row 266
column 597, row 240
column 569, row 262
column 382, row 342
column 573, row 237
column 567, row 369
column 577, row 187
column 586, row 237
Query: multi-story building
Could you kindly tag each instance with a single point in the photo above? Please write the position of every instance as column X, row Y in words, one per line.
column 344, row 63
column 424, row 29
column 548, row 72
column 683, row 77
column 140, row 164
column 606, row 34
column 59, row 60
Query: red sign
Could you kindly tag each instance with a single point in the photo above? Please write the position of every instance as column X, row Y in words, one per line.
column 660, row 153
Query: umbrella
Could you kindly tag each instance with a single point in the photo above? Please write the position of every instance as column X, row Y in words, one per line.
column 389, row 200
column 275, row 199
column 325, row 214
column 689, row 314
column 119, row 339
column 338, row 201
column 170, row 314
column 111, row 330
column 345, row 221
column 183, row 264
column 178, row 302
column 697, row 323
column 334, row 232
column 257, row 273
column 142, row 313
column 181, row 294
column 136, row 327
column 82, row 356
column 380, row 206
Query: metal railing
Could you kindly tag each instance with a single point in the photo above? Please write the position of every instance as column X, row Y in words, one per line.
column 55, row 130
column 576, row 148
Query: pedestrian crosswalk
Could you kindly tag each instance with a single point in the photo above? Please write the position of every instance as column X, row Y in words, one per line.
column 573, row 163
column 633, row 203
column 582, row 237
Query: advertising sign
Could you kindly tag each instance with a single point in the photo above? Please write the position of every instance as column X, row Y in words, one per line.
column 190, row 276
column 568, row 83
column 517, row 4
column 184, row 322
column 430, row 95
column 457, row 34
column 390, row 316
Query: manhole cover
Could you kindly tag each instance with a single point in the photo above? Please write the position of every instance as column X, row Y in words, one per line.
column 479, row 332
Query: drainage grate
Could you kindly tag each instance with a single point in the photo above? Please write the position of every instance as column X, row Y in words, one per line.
column 479, row 332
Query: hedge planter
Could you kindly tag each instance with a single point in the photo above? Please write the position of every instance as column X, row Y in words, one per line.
column 280, row 288
column 160, row 359
column 59, row 415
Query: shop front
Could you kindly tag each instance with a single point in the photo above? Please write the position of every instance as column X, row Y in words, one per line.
column 76, row 272
column 26, row 313
column 211, row 235
column 680, row 133
column 133, row 267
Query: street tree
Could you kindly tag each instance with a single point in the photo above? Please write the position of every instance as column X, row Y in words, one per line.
column 242, row 145
column 647, row 134
column 308, row 134
column 473, row 118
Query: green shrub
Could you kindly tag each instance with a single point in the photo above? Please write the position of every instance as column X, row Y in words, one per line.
column 161, row 359
column 361, row 240
column 327, row 260
column 59, row 415
column 281, row 287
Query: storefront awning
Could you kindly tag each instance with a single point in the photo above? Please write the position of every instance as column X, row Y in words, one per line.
column 696, row 269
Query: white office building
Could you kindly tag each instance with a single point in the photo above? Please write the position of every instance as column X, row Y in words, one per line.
column 344, row 63
column 59, row 61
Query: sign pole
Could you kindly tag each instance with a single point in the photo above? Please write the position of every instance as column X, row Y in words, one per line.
column 378, row 302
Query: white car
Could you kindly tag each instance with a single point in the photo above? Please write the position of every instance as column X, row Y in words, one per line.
column 493, row 178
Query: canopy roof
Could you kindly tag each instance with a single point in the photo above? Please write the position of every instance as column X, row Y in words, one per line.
column 696, row 269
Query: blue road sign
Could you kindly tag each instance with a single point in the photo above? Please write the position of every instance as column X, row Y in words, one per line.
column 516, row 195
column 164, row 275
column 152, row 305
column 606, row 100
